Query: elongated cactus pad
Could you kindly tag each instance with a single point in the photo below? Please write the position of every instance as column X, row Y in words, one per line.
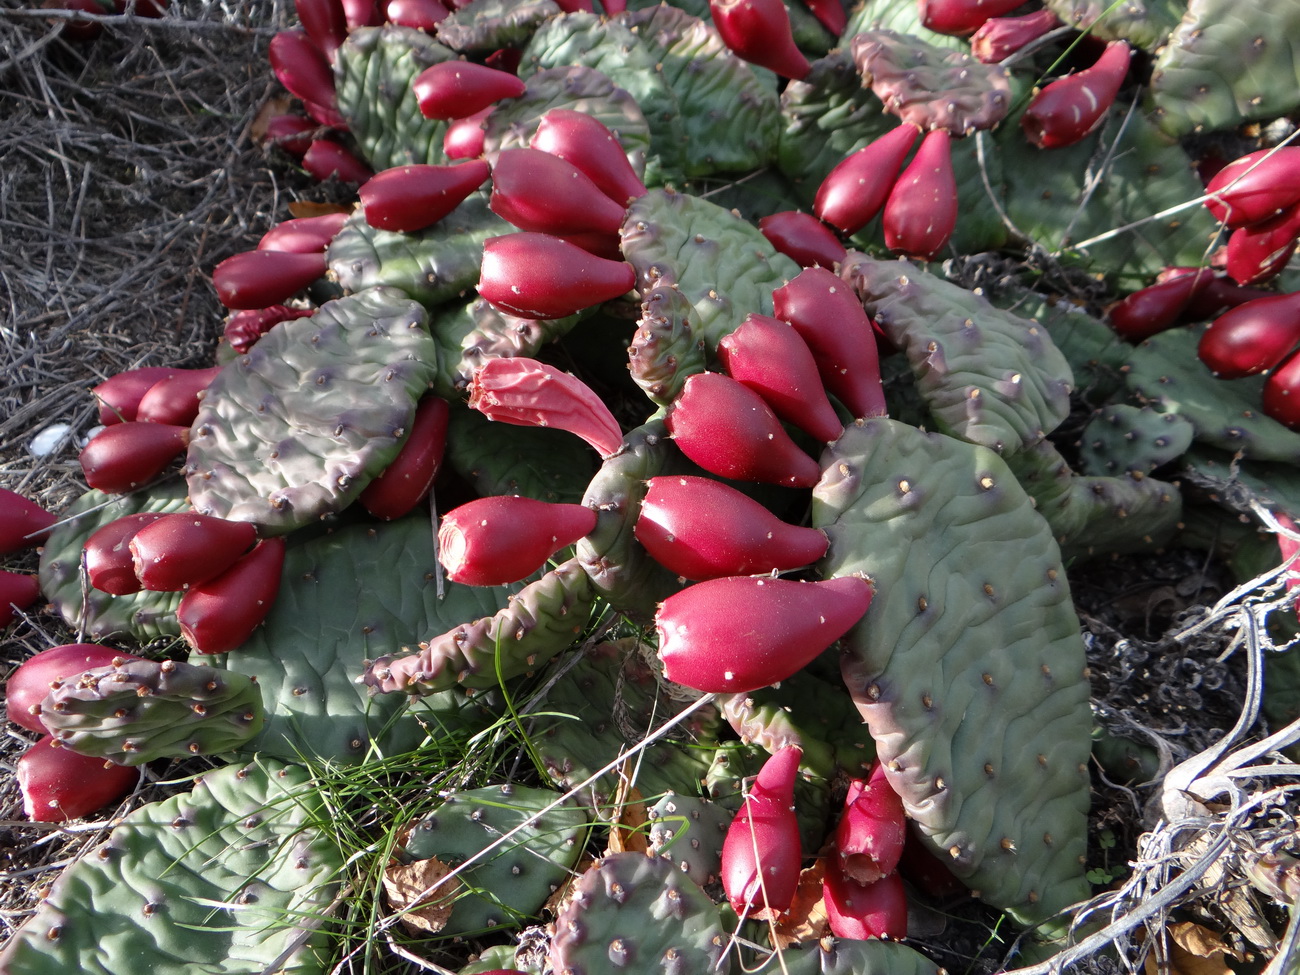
column 374, row 71
column 358, row 592
column 513, row 881
column 1143, row 23
column 840, row 956
column 665, row 350
column 136, row 711
column 1124, row 438
column 989, row 377
column 232, row 878
column 972, row 680
column 486, row 25
column 143, row 615
column 469, row 334
column 295, row 429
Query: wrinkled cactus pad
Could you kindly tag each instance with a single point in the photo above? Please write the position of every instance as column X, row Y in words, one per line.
column 1143, row 23
column 1122, row 438
column 234, row 877
column 295, row 429
column 968, row 667
column 841, row 956
column 485, row 25
column 499, row 458
column 469, row 334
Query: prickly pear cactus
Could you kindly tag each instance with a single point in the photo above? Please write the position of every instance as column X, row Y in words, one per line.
column 633, row 911
column 665, row 351
column 486, row 25
column 1123, row 438
column 689, row 831
column 1143, row 23
column 141, row 710
column 233, row 878
column 294, row 430
column 511, row 882
column 497, row 458
column 972, row 683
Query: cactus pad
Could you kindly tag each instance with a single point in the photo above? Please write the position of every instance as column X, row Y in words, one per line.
column 486, row 25
column 838, row 956
column 688, row 831
column 973, row 684
column 1143, row 23
column 1122, row 439
column 497, row 458
column 514, row 880
column 295, row 429
column 665, row 350
column 231, row 878
column 469, row 334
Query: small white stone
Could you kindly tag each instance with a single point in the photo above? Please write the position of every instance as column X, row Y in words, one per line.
column 49, row 439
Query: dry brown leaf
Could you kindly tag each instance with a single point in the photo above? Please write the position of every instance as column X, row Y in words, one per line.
column 405, row 882
column 1193, row 950
column 627, row 834
column 806, row 919
column 555, row 903
column 276, row 105
column 306, row 208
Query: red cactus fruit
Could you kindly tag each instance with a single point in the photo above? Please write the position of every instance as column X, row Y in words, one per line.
column 420, row 14
column 862, row 911
column 802, row 238
column 498, row 540
column 255, row 279
column 1252, row 338
column 30, row 683
column 573, row 6
column 325, row 23
column 925, row 871
column 186, row 549
column 406, row 481
column 856, row 189
column 17, row 591
column 362, row 13
column 125, row 456
column 529, row 393
column 1000, row 37
column 326, row 115
column 464, row 137
column 541, row 192
column 1282, row 393
column 23, row 522
column 761, row 853
column 303, row 235
column 587, row 143
column 921, row 212
column 175, row 399
column 962, row 16
column 292, row 133
column 57, row 784
column 758, row 31
column 220, row 615
column 1150, row 310
column 302, row 67
column 830, row 319
column 119, row 396
column 830, row 13
column 410, row 198
column 771, row 358
column 1261, row 250
column 458, row 89
column 1218, row 295
column 77, row 28
column 244, row 328
column 727, row 429
column 1069, row 108
column 741, row 633
column 1255, row 187
column 872, row 829
column 536, row 275
column 107, row 554
column 699, row 528
column 326, row 159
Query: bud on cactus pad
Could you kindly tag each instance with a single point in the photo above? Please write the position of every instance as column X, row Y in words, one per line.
column 177, row 551
column 739, row 634
column 1069, row 108
column 494, row 541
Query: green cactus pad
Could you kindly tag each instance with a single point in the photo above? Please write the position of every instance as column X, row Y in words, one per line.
column 1228, row 62
column 665, row 350
column 542, row 619
column 141, row 710
column 434, row 266
column 989, row 377
column 730, row 116
column 1143, row 23
column 142, row 616
column 1096, row 355
column 1165, row 372
column 358, row 592
column 513, row 881
column 931, row 87
column 579, row 89
column 603, row 705
column 499, row 458
column 486, row 25
column 968, row 666
column 610, row 46
column 689, row 831
column 469, row 334
column 234, row 878
column 901, row 17
column 1098, row 515
column 620, row 569
column 835, row 956
column 639, row 913
column 720, row 262
column 1120, row 439
column 373, row 73
column 1123, row 173
column 295, row 429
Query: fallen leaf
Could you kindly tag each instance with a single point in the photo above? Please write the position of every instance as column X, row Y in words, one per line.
column 404, row 883
column 806, row 919
column 276, row 105
column 306, row 208
column 1193, row 950
column 627, row 833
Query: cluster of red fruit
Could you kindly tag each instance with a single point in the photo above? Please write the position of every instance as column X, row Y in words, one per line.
column 88, row 28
